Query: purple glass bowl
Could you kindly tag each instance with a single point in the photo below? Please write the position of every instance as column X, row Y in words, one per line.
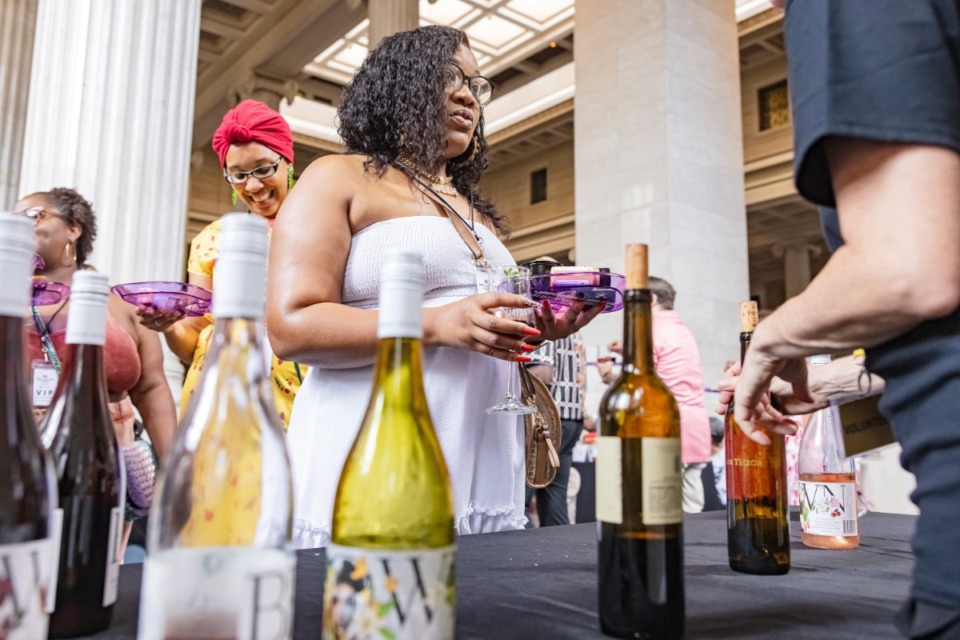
column 179, row 297
column 563, row 290
column 47, row 293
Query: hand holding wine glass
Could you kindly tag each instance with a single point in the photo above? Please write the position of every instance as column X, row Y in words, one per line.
column 515, row 281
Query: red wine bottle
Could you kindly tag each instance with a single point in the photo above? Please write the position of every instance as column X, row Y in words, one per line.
column 90, row 480
column 26, row 495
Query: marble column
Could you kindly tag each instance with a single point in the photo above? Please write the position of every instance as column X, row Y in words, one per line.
column 796, row 265
column 659, row 158
column 17, row 23
column 111, row 114
column 390, row 16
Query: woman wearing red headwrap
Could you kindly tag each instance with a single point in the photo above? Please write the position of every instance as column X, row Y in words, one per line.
column 255, row 148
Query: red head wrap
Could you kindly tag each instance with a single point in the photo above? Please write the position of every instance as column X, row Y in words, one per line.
column 252, row 121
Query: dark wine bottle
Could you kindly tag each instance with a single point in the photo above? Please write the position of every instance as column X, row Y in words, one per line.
column 79, row 434
column 26, row 495
column 758, row 530
column 639, row 484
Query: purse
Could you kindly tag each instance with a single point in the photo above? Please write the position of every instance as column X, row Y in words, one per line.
column 543, row 431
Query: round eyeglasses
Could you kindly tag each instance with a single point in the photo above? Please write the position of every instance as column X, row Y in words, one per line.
column 37, row 213
column 454, row 78
column 260, row 173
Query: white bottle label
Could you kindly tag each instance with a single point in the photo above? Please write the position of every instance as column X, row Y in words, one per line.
column 828, row 508
column 661, row 480
column 402, row 595
column 218, row 592
column 56, row 534
column 112, row 576
column 24, row 579
column 609, row 479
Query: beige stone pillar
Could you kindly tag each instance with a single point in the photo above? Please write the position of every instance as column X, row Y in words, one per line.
column 111, row 114
column 390, row 16
column 659, row 158
column 17, row 23
column 796, row 265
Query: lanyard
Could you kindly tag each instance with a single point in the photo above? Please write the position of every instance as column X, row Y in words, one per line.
column 45, row 341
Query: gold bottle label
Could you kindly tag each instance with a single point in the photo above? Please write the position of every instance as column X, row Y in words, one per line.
column 609, row 479
column 662, row 481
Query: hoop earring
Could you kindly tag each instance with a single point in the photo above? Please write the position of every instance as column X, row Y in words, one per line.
column 474, row 148
column 233, row 197
column 69, row 255
column 290, row 177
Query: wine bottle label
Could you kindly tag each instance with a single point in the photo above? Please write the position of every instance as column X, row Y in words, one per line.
column 112, row 574
column 828, row 508
column 402, row 595
column 609, row 479
column 661, row 481
column 24, row 580
column 241, row 593
column 56, row 534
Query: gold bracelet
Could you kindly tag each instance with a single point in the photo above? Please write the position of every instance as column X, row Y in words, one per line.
column 860, row 357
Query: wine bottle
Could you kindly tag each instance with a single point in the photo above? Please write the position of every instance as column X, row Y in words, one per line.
column 27, row 495
column 90, row 479
column 758, row 530
column 390, row 564
column 639, row 483
column 219, row 562
column 828, row 482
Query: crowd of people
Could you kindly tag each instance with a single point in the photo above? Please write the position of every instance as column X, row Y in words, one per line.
column 885, row 168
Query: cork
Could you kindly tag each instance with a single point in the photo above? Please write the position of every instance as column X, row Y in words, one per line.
column 636, row 257
column 748, row 316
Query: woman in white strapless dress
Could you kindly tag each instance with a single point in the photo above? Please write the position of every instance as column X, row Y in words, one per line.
column 327, row 251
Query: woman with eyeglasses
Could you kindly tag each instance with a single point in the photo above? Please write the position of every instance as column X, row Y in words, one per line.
column 255, row 147
column 412, row 122
column 66, row 227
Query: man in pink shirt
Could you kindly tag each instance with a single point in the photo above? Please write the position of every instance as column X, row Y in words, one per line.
column 677, row 361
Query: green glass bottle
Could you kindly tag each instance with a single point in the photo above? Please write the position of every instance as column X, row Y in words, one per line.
column 639, row 484
column 390, row 564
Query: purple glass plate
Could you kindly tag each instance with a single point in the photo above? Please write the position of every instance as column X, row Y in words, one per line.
column 562, row 290
column 181, row 297
column 47, row 293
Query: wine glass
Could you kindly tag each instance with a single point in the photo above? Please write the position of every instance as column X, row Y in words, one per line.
column 516, row 280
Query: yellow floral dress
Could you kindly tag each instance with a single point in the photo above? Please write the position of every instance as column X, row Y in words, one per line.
column 285, row 375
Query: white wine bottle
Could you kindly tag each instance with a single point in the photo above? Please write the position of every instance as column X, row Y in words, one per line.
column 220, row 563
column 90, row 476
column 390, row 564
column 639, row 483
column 828, row 481
column 27, row 494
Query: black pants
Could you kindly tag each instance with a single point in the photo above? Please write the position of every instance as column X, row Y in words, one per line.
column 552, row 500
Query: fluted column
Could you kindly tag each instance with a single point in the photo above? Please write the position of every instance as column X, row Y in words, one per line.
column 17, row 21
column 390, row 16
column 111, row 114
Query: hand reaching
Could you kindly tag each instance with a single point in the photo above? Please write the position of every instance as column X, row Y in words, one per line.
column 553, row 327
column 156, row 320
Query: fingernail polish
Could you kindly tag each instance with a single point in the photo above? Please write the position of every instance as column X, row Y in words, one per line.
column 522, row 359
column 527, row 348
column 530, row 331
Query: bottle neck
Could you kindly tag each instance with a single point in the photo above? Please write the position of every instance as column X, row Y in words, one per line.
column 87, row 322
column 245, row 334
column 399, row 372
column 11, row 353
column 744, row 344
column 637, row 332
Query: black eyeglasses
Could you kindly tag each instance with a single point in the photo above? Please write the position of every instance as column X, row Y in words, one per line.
column 260, row 173
column 37, row 214
column 454, row 78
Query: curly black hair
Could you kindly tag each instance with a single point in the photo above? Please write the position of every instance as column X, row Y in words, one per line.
column 75, row 209
column 395, row 106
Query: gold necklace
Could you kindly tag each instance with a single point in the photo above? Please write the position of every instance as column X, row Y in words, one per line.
column 440, row 185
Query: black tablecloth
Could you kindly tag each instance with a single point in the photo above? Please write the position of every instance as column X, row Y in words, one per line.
column 542, row 583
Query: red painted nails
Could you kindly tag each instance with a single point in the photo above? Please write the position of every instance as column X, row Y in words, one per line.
column 522, row 359
column 527, row 348
column 530, row 331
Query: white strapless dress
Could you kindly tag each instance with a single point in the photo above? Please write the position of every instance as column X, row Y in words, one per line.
column 484, row 453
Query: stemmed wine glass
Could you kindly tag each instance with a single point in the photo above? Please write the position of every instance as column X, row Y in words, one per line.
column 516, row 280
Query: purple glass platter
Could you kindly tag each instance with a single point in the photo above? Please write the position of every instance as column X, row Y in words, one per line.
column 589, row 287
column 47, row 293
column 179, row 297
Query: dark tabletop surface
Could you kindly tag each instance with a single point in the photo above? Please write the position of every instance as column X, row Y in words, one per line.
column 542, row 583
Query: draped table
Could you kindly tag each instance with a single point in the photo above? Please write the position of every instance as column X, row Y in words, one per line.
column 542, row 583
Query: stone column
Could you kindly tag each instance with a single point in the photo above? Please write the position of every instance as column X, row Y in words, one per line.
column 390, row 16
column 17, row 24
column 111, row 114
column 659, row 158
column 796, row 265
